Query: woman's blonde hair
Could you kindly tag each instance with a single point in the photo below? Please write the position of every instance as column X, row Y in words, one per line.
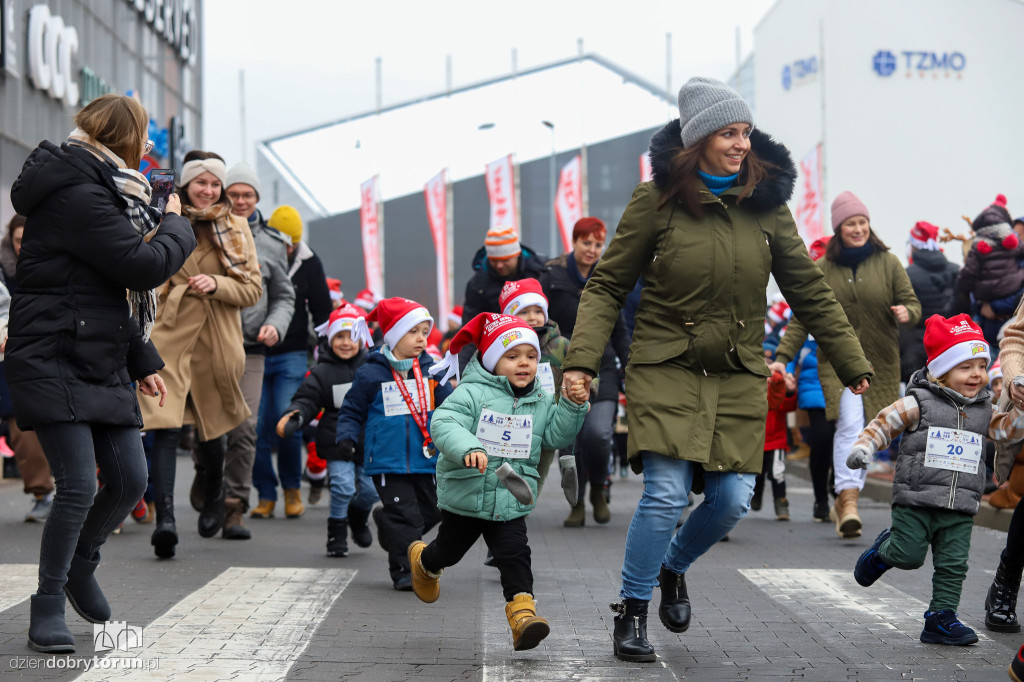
column 120, row 123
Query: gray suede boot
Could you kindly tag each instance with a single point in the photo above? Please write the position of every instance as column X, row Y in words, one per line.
column 47, row 631
column 84, row 593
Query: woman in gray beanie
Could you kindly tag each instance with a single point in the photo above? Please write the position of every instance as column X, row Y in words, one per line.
column 704, row 234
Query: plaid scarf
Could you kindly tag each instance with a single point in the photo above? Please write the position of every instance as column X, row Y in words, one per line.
column 135, row 190
column 234, row 251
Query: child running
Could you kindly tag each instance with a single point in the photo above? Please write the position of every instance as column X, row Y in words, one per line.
column 490, row 433
column 344, row 340
column 388, row 409
column 939, row 475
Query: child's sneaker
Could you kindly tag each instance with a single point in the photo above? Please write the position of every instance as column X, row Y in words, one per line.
column 870, row 566
column 425, row 585
column 943, row 627
column 1016, row 669
column 782, row 509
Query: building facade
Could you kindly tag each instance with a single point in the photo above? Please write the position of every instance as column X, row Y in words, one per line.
column 57, row 56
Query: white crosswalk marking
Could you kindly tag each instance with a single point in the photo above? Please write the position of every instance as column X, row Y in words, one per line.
column 245, row 624
column 17, row 582
column 828, row 600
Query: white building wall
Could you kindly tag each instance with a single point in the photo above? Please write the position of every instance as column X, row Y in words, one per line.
column 930, row 141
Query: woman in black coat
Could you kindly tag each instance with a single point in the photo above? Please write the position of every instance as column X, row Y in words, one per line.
column 76, row 343
column 563, row 284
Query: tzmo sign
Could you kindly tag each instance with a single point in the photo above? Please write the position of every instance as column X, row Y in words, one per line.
column 885, row 62
column 51, row 47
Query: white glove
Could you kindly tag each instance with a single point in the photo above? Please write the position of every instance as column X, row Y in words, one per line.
column 858, row 459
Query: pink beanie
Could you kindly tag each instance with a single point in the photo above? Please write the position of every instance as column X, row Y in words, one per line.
column 845, row 206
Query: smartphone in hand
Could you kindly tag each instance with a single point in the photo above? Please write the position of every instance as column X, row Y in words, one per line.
column 162, row 182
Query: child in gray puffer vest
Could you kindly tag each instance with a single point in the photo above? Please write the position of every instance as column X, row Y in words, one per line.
column 940, row 469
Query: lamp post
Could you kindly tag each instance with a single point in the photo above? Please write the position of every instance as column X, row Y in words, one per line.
column 553, row 244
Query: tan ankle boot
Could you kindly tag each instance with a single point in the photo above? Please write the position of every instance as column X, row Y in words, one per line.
column 293, row 507
column 264, row 510
column 844, row 514
column 577, row 517
column 425, row 585
column 527, row 628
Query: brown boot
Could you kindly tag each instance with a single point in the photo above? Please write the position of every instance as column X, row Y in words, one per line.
column 527, row 628
column 577, row 517
column 844, row 514
column 264, row 510
column 602, row 514
column 425, row 585
column 234, row 520
column 293, row 507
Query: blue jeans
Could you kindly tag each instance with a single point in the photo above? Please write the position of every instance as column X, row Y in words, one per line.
column 653, row 528
column 282, row 376
column 349, row 485
column 82, row 519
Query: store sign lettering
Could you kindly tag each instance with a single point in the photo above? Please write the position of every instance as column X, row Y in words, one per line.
column 799, row 72
column 175, row 21
column 920, row 62
column 8, row 46
column 51, row 47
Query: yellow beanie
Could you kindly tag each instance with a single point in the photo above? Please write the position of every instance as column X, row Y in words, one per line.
column 287, row 220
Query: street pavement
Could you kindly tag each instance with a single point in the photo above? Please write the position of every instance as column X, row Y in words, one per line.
column 778, row 600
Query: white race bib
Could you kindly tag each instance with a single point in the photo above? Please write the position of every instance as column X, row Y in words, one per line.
column 394, row 403
column 547, row 378
column 953, row 449
column 505, row 435
column 340, row 391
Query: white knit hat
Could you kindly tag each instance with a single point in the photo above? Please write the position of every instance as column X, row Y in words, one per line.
column 242, row 173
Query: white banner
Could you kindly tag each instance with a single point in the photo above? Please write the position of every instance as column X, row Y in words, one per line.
column 370, row 229
column 569, row 199
column 501, row 189
column 809, row 205
column 645, row 167
column 435, row 193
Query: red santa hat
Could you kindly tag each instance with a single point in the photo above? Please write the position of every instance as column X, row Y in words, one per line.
column 924, row 236
column 334, row 288
column 778, row 313
column 492, row 334
column 817, row 248
column 347, row 318
column 948, row 342
column 455, row 316
column 365, row 300
column 995, row 371
column 522, row 294
column 396, row 316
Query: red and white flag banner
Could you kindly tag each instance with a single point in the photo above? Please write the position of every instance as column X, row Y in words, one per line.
column 370, row 229
column 501, row 189
column 645, row 167
column 435, row 193
column 569, row 199
column 810, row 202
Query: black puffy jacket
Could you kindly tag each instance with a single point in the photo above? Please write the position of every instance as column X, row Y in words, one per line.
column 934, row 280
column 74, row 348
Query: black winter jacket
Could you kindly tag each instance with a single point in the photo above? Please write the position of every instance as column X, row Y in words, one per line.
column 563, row 304
column 74, row 348
column 934, row 281
column 312, row 297
column 324, row 388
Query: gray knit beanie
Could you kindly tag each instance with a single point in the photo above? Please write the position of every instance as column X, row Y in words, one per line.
column 707, row 105
column 243, row 173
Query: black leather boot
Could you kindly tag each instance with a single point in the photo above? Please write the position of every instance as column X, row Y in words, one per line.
column 358, row 524
column 629, row 637
column 84, row 593
column 211, row 518
column 1001, row 602
column 337, row 537
column 165, row 535
column 674, row 610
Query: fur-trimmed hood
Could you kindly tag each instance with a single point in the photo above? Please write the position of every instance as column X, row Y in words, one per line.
column 771, row 193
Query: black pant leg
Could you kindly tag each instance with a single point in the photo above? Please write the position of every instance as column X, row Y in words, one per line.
column 163, row 460
column 426, row 497
column 511, row 549
column 401, row 517
column 821, row 432
column 455, row 537
column 1013, row 555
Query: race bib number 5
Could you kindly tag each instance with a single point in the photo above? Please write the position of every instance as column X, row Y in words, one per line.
column 505, row 435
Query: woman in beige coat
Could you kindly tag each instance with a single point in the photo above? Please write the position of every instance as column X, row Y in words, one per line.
column 198, row 332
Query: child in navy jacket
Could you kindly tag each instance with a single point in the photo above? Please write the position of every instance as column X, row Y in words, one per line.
column 388, row 409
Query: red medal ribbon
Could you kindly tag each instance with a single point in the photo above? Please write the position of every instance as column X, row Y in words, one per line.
column 421, row 415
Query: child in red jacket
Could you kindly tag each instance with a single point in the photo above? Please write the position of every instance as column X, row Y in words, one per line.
column 781, row 400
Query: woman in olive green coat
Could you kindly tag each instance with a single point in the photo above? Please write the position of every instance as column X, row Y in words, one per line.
column 875, row 291
column 704, row 235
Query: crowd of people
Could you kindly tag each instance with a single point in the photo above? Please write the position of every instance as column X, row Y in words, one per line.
column 243, row 349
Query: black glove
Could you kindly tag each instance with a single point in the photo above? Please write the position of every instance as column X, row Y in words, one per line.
column 289, row 424
column 347, row 448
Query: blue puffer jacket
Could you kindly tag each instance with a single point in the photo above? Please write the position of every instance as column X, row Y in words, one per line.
column 391, row 445
column 809, row 394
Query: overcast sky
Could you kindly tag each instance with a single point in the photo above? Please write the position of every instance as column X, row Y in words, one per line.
column 308, row 62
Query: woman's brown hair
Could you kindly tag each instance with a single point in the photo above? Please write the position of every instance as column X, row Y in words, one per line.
column 118, row 122
column 684, row 183
column 835, row 245
column 199, row 155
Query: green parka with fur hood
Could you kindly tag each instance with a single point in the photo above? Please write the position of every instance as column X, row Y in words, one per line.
column 464, row 490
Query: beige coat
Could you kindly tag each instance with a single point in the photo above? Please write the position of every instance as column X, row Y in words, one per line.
column 199, row 337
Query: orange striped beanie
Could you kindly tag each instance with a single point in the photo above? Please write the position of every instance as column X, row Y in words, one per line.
column 502, row 244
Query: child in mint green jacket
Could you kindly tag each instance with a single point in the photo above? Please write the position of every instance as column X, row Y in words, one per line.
column 490, row 432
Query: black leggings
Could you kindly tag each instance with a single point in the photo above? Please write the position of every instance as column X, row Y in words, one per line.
column 1013, row 555
column 821, row 432
column 164, row 458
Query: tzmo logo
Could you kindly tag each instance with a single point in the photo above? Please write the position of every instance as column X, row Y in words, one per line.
column 921, row 62
column 116, row 635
